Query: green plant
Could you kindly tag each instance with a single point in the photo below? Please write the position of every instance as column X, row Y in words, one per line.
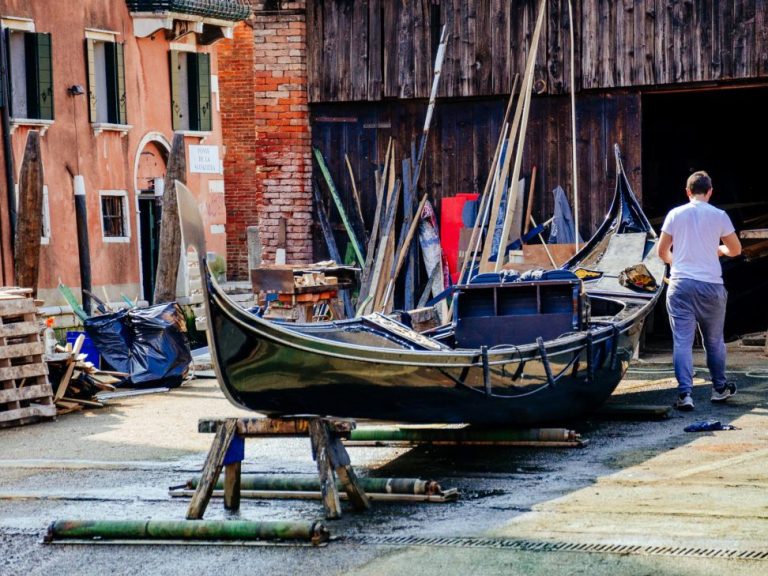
column 218, row 267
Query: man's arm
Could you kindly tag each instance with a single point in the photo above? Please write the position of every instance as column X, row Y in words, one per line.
column 731, row 246
column 664, row 248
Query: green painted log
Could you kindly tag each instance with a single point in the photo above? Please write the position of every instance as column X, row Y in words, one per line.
column 461, row 435
column 312, row 484
column 314, row 532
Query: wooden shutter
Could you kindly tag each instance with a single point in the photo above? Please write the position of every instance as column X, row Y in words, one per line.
column 90, row 60
column 122, row 102
column 204, row 92
column 110, row 70
column 177, row 106
column 39, row 75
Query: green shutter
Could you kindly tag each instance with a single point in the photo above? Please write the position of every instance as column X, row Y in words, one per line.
column 110, row 71
column 204, row 92
column 39, row 75
column 177, row 107
column 122, row 102
column 90, row 60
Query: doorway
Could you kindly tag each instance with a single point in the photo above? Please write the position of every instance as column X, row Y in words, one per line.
column 150, row 176
column 709, row 130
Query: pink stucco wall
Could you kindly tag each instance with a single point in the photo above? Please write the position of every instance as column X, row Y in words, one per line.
column 107, row 161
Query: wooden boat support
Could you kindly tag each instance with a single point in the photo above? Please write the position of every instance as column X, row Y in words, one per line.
column 228, row 450
column 515, row 354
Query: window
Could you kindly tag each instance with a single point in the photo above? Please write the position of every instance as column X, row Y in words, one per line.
column 114, row 216
column 106, row 79
column 31, row 71
column 191, row 91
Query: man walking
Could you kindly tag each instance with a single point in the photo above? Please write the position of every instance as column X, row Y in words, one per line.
column 691, row 242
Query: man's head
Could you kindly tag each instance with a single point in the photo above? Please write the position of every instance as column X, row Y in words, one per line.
column 699, row 186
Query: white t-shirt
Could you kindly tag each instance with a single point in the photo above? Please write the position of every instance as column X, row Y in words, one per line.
column 696, row 229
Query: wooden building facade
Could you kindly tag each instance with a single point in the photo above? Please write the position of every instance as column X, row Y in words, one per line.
column 675, row 83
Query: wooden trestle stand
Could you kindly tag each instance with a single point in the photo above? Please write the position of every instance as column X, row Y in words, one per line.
column 228, row 450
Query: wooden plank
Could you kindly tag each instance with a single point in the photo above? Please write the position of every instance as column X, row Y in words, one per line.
column 19, row 329
column 21, row 350
column 315, row 64
column 17, row 306
column 30, row 214
column 32, row 411
column 232, row 476
column 761, row 39
column 319, row 436
column 64, row 382
column 212, row 469
column 26, row 371
column 761, row 233
column 169, row 241
column 744, row 57
column 501, row 64
column 26, row 393
column 375, row 49
column 265, row 427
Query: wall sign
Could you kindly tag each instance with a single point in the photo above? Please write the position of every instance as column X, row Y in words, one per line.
column 204, row 159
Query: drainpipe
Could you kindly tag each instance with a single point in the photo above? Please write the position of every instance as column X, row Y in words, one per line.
column 5, row 120
column 83, row 247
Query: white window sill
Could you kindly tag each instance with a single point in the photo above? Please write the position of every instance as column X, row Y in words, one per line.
column 44, row 241
column 195, row 134
column 99, row 127
column 116, row 239
column 33, row 122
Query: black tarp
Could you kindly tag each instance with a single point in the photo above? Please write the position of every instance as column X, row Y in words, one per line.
column 148, row 344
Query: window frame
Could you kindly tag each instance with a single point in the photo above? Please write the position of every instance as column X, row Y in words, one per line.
column 123, row 195
column 191, row 94
column 38, row 77
column 111, row 74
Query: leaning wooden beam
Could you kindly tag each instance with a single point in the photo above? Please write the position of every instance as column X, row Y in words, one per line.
column 212, row 469
column 370, row 255
column 358, row 206
column 30, row 215
column 404, row 251
column 529, row 210
column 485, row 197
column 430, row 109
column 383, row 248
column 511, row 205
column 330, row 241
column 169, row 244
column 339, row 206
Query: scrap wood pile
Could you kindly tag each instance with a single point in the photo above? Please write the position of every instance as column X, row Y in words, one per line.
column 502, row 219
column 76, row 382
column 25, row 394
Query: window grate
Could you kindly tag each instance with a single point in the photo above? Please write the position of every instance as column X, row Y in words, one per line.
column 113, row 216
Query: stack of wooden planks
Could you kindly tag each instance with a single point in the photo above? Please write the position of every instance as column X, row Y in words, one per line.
column 77, row 381
column 25, row 394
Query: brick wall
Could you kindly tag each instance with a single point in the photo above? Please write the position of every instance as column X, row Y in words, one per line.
column 268, row 161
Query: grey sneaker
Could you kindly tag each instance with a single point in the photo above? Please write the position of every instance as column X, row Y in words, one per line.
column 684, row 403
column 726, row 392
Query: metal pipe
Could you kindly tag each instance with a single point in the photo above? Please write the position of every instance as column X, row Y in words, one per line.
column 467, row 434
column 312, row 484
column 315, row 532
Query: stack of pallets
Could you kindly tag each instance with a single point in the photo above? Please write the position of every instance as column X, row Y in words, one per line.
column 25, row 394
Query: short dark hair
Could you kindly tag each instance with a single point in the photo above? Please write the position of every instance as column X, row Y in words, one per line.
column 699, row 182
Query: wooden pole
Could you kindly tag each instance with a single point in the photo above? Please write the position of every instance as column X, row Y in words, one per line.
column 529, row 210
column 358, row 206
column 30, row 214
column 521, row 140
column 573, row 130
column 169, row 243
column 430, row 109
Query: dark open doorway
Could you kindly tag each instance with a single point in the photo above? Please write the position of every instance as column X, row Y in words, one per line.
column 718, row 131
column 149, row 182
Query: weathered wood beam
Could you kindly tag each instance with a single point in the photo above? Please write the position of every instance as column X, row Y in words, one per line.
column 30, row 215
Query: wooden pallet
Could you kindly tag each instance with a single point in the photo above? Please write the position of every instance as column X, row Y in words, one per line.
column 25, row 393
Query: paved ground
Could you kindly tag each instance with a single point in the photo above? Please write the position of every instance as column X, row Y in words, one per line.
column 639, row 498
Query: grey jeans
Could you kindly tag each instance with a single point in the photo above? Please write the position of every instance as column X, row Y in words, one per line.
column 691, row 302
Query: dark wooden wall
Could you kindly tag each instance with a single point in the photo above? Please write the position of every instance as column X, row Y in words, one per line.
column 463, row 140
column 376, row 49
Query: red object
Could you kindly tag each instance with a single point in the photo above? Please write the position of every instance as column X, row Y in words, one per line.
column 450, row 229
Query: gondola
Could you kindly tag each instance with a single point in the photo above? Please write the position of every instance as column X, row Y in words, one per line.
column 516, row 354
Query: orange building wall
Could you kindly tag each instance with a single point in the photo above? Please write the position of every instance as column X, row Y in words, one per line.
column 106, row 161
